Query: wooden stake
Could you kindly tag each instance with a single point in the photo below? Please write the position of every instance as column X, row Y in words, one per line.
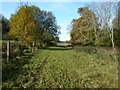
column 8, row 51
column 33, row 46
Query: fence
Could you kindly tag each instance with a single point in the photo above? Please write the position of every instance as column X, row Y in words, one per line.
column 12, row 50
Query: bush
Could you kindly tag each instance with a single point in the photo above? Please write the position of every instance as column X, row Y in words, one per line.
column 53, row 43
column 7, row 37
column 4, row 47
column 103, row 39
column 87, row 49
column 16, row 49
column 117, row 36
column 103, row 42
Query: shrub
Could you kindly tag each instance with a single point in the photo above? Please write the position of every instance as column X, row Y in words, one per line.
column 53, row 43
column 7, row 37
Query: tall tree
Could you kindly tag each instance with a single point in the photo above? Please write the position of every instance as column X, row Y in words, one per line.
column 30, row 23
column 23, row 25
column 48, row 25
column 83, row 31
column 106, row 12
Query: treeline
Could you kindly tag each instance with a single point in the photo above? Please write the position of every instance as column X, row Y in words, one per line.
column 30, row 23
column 4, row 27
column 99, row 24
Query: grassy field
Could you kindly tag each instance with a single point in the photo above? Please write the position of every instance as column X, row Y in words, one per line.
column 64, row 67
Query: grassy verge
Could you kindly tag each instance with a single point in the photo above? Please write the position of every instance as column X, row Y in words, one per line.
column 4, row 41
column 64, row 67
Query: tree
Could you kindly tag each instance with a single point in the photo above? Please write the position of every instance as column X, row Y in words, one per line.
column 106, row 12
column 48, row 26
column 116, row 24
column 30, row 23
column 83, row 31
column 5, row 25
column 23, row 25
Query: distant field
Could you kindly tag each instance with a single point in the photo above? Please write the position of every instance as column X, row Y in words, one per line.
column 64, row 44
column 64, row 67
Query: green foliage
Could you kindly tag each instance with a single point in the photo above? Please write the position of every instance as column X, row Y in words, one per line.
column 7, row 37
column 117, row 36
column 17, row 49
column 30, row 23
column 103, row 38
column 87, row 30
column 22, row 24
column 116, row 24
column 83, row 29
column 53, row 43
column 5, row 25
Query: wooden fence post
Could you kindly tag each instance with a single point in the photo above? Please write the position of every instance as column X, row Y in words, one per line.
column 8, row 51
column 33, row 46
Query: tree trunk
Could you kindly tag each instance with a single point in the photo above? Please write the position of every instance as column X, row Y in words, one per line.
column 113, row 44
column 111, row 34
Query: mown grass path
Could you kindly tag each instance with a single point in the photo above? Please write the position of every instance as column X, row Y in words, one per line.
column 63, row 67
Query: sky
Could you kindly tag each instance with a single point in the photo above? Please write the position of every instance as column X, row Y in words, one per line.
column 64, row 12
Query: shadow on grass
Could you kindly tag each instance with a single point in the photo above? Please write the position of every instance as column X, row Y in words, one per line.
column 11, row 70
column 60, row 48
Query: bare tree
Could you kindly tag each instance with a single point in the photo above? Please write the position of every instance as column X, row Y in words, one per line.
column 106, row 12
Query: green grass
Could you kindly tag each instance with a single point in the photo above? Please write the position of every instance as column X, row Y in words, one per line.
column 64, row 67
column 4, row 41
